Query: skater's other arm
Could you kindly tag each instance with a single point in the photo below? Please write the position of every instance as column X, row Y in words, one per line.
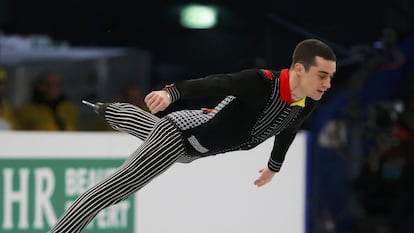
column 265, row 177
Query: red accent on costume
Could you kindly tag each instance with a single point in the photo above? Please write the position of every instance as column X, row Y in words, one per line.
column 208, row 110
column 166, row 87
column 268, row 74
column 285, row 93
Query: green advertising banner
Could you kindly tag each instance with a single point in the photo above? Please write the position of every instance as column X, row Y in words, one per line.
column 34, row 193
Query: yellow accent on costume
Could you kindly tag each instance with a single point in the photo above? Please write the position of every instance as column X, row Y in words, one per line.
column 300, row 103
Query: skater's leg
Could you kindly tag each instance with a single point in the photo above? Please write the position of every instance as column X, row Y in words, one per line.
column 157, row 153
column 131, row 119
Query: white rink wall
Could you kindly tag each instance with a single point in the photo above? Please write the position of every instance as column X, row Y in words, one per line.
column 215, row 194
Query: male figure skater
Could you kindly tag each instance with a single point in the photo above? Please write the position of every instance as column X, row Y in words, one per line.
column 249, row 107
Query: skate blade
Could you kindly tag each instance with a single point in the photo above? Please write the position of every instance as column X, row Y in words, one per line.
column 88, row 103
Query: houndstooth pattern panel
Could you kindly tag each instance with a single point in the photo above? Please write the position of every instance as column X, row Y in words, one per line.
column 188, row 119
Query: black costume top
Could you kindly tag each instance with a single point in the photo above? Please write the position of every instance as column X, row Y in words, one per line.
column 250, row 107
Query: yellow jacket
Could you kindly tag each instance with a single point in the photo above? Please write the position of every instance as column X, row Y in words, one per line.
column 7, row 113
column 39, row 116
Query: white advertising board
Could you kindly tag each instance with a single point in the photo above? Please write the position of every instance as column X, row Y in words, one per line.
column 214, row 194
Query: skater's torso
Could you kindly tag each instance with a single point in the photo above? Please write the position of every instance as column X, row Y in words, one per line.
column 243, row 117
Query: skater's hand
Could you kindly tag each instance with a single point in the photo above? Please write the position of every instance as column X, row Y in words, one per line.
column 157, row 101
column 265, row 177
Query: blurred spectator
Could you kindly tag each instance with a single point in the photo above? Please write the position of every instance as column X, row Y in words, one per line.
column 405, row 127
column 7, row 120
column 326, row 223
column 394, row 57
column 404, row 133
column 130, row 93
column 49, row 109
column 385, row 186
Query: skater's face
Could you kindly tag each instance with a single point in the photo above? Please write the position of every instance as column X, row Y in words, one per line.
column 317, row 79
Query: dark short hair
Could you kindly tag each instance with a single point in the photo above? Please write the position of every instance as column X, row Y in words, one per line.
column 306, row 51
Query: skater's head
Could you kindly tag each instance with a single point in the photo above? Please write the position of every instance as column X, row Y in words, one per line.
column 312, row 69
column 307, row 52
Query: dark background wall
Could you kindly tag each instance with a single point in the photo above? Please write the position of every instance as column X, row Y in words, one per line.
column 245, row 30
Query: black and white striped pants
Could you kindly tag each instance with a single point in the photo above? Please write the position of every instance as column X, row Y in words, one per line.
column 162, row 146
